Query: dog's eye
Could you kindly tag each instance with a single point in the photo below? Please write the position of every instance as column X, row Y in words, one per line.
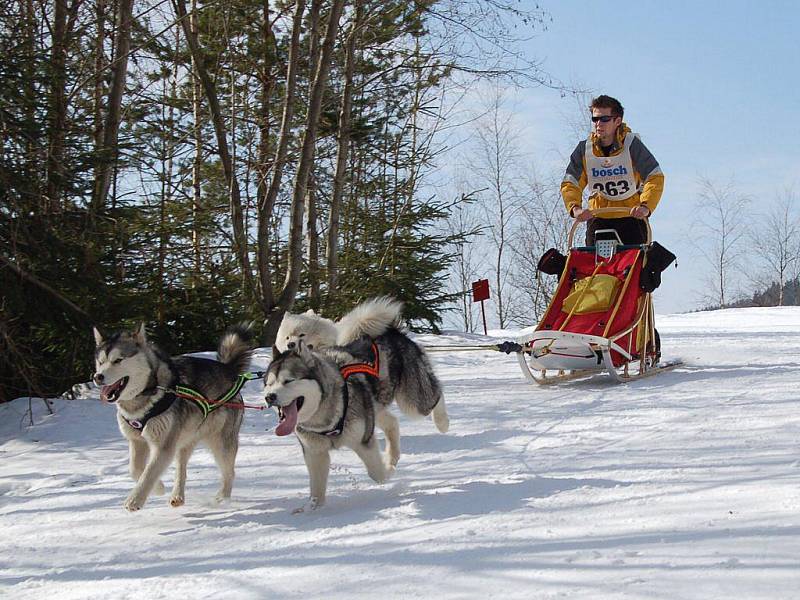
column 302, row 335
column 287, row 381
column 117, row 361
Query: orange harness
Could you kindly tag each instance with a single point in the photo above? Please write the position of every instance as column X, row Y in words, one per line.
column 367, row 368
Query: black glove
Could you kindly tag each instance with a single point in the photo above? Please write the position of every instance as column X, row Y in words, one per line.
column 509, row 347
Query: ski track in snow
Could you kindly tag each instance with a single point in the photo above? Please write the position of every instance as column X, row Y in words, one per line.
column 683, row 485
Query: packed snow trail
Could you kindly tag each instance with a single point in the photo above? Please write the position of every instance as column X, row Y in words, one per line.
column 684, row 485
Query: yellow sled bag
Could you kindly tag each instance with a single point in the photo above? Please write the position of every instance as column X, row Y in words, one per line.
column 591, row 294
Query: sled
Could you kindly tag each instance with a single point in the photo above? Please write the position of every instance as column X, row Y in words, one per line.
column 599, row 320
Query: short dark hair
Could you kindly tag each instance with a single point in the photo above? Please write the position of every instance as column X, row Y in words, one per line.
column 604, row 101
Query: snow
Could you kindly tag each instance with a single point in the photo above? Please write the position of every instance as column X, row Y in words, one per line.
column 683, row 485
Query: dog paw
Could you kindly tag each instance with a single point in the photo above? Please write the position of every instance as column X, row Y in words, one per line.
column 133, row 503
column 311, row 504
column 159, row 489
column 176, row 501
column 222, row 498
column 442, row 423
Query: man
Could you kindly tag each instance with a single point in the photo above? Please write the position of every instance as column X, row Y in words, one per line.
column 620, row 172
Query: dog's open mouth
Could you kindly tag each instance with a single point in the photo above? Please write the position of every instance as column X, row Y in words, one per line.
column 288, row 416
column 111, row 393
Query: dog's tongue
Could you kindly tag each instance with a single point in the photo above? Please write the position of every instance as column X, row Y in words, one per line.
column 107, row 391
column 286, row 426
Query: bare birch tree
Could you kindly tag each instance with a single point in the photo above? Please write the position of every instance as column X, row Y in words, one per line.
column 543, row 224
column 495, row 166
column 775, row 241
column 721, row 226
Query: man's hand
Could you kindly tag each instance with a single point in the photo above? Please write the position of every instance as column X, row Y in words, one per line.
column 640, row 212
column 581, row 214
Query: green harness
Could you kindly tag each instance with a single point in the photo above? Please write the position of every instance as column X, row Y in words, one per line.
column 208, row 406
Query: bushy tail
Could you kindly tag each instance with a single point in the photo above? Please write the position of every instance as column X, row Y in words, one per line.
column 371, row 318
column 236, row 348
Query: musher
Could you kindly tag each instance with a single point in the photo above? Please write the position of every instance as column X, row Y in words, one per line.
column 620, row 172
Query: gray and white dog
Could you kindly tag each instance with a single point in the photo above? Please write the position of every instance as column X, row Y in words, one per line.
column 141, row 379
column 335, row 397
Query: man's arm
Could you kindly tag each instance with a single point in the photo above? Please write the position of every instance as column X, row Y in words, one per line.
column 647, row 166
column 574, row 179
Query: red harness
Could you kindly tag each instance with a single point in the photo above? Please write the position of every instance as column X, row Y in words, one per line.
column 366, row 368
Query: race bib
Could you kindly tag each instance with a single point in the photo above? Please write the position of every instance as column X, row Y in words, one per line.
column 611, row 177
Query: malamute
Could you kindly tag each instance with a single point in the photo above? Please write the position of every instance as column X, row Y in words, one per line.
column 335, row 397
column 141, row 379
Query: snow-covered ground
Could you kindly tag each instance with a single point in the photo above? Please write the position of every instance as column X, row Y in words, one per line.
column 685, row 485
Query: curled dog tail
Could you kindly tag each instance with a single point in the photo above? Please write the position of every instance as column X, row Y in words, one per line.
column 236, row 347
column 371, row 318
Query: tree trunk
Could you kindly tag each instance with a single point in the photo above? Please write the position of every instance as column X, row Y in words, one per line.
column 237, row 218
column 267, row 203
column 306, row 163
column 197, row 161
column 312, row 243
column 57, row 110
column 119, row 69
column 295, row 258
column 343, row 146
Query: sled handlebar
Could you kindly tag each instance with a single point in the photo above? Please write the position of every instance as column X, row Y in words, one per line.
column 609, row 212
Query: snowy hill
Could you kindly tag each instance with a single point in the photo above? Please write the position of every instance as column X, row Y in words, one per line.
column 685, row 485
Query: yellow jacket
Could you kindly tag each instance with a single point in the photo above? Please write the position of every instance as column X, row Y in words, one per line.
column 644, row 164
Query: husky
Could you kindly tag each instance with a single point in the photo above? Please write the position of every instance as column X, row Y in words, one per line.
column 141, row 380
column 335, row 397
column 370, row 318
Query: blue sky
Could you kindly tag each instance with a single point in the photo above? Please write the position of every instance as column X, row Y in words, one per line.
column 710, row 86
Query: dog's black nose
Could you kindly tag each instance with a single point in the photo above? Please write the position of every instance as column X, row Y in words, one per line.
column 271, row 398
column 98, row 378
column 290, row 345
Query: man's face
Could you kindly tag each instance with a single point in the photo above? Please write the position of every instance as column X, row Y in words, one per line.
column 605, row 124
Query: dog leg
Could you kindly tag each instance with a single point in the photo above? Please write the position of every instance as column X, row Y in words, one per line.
column 391, row 429
column 139, row 451
column 224, row 451
column 370, row 454
column 159, row 460
column 318, row 464
column 440, row 418
column 179, row 487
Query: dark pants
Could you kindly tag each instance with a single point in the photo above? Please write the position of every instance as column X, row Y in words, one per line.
column 629, row 229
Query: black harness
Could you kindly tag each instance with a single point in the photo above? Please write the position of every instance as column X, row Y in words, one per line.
column 161, row 405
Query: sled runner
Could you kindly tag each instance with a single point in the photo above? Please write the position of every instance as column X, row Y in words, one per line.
column 601, row 315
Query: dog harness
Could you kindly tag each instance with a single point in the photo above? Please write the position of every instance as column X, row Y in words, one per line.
column 161, row 405
column 195, row 397
column 372, row 369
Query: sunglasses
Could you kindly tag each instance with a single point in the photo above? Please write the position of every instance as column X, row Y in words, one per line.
column 604, row 118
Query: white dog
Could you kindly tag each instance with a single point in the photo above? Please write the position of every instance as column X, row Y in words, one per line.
column 371, row 318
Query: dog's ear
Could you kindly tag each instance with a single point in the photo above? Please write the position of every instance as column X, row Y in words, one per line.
column 303, row 351
column 98, row 337
column 141, row 335
column 311, row 312
column 275, row 352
